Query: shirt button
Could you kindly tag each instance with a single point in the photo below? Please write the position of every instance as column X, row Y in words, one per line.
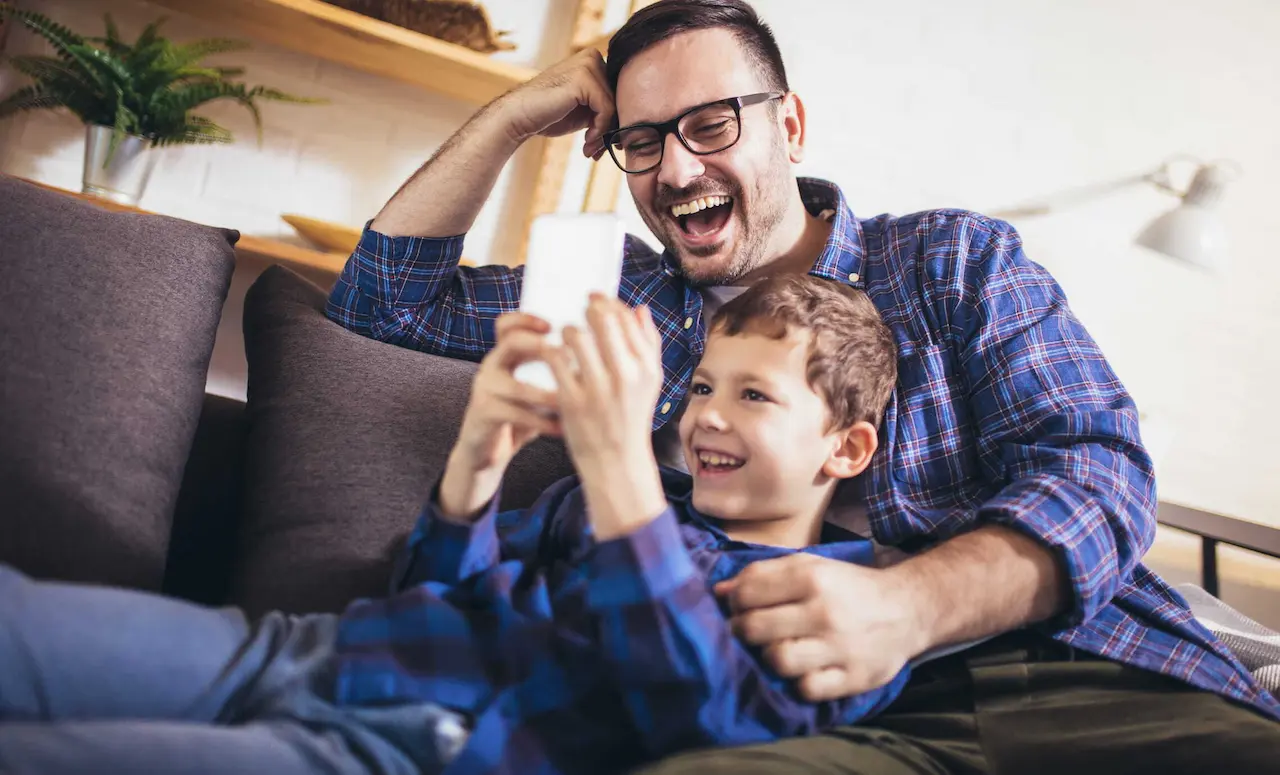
column 688, row 323
column 666, row 407
column 853, row 278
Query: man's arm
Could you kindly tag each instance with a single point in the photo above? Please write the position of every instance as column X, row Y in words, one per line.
column 686, row 680
column 1079, row 485
column 402, row 284
column 443, row 198
column 982, row 583
column 1078, row 510
column 1052, row 546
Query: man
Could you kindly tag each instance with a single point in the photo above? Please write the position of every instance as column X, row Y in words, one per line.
column 1011, row 468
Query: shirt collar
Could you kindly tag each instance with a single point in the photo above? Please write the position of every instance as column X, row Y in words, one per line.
column 841, row 257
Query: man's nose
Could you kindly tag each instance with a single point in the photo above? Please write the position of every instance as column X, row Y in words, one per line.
column 679, row 167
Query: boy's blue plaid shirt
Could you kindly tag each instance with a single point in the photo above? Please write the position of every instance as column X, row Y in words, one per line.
column 575, row 656
column 1006, row 412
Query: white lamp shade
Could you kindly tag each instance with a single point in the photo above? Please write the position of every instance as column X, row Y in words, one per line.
column 1190, row 233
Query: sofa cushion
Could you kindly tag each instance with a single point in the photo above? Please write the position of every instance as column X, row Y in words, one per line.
column 107, row 322
column 345, row 438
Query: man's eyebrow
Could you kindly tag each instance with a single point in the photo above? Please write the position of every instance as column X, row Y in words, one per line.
column 668, row 118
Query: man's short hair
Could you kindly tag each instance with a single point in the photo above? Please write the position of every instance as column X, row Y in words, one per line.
column 853, row 361
column 665, row 18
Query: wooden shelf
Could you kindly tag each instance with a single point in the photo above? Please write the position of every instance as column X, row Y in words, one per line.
column 248, row 246
column 338, row 35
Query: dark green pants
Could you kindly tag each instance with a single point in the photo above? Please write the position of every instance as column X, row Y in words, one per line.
column 1023, row 705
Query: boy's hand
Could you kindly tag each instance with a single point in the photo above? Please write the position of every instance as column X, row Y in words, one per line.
column 606, row 405
column 502, row 416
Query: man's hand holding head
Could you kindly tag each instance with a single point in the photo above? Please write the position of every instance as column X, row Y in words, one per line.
column 571, row 95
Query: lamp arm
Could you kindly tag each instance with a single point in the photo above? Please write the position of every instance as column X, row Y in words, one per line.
column 1072, row 196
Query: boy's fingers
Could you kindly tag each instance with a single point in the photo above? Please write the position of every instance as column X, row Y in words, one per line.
column 527, row 419
column 591, row 371
column 566, row 380
column 518, row 346
column 610, row 339
column 512, row 390
column 637, row 337
column 648, row 332
column 515, row 321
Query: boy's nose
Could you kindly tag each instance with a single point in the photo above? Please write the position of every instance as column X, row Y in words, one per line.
column 709, row 418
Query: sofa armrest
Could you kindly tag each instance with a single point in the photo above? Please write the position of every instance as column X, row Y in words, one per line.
column 1214, row 529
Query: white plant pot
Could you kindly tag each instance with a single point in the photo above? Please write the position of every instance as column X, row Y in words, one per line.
column 124, row 178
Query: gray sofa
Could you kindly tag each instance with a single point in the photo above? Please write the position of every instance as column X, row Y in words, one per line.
column 116, row 467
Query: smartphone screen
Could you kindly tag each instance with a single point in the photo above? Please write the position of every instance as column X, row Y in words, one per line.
column 570, row 257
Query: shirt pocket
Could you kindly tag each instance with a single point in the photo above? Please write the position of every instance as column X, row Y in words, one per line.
column 935, row 441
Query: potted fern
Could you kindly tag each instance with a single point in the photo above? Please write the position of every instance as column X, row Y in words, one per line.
column 132, row 98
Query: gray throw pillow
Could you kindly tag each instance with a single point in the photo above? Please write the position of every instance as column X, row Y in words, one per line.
column 346, row 436
column 107, row 322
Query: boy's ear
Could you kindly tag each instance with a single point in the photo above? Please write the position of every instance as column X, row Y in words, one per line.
column 852, row 454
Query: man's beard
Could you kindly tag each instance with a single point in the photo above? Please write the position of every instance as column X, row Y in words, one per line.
column 758, row 217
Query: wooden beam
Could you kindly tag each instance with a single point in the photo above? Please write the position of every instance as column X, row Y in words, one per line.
column 587, row 23
column 605, row 182
column 553, row 163
column 600, row 42
column 603, row 187
column 553, row 157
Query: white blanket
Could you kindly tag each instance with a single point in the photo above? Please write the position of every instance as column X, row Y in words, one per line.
column 1257, row 647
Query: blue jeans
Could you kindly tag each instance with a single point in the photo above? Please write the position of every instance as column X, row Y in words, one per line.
column 100, row 680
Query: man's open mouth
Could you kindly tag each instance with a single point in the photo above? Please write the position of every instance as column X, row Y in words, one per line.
column 702, row 220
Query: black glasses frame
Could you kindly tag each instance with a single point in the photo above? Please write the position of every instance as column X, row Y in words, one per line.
column 665, row 128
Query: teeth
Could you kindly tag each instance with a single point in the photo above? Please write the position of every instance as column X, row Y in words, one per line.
column 713, row 459
column 689, row 208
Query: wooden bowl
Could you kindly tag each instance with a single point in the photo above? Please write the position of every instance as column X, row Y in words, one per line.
column 331, row 237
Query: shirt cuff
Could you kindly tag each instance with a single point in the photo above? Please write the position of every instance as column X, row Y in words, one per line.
column 401, row 271
column 645, row 565
column 451, row 551
column 374, row 243
column 1075, row 529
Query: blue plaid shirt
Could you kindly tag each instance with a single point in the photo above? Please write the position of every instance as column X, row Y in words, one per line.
column 1006, row 411
column 571, row 655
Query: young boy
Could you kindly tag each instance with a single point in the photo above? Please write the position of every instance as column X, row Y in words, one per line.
column 581, row 635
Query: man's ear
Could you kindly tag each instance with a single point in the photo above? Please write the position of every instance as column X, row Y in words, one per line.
column 792, row 115
column 853, row 450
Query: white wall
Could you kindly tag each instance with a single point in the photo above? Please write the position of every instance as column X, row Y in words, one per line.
column 988, row 103
column 916, row 104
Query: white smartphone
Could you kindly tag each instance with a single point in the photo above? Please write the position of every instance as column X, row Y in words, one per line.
column 570, row 257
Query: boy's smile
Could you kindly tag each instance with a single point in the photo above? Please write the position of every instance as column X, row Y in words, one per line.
column 757, row 439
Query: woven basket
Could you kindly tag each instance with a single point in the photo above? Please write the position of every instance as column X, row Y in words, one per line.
column 456, row 21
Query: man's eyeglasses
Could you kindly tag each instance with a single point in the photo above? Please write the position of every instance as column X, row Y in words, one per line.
column 703, row 129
